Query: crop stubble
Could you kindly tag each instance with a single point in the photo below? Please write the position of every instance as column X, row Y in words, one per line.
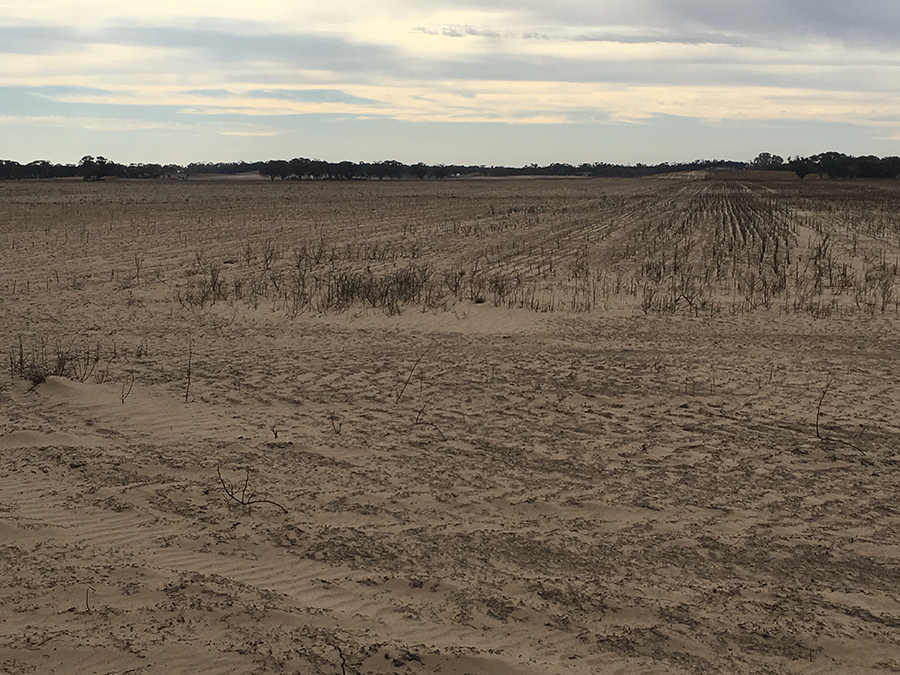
column 605, row 461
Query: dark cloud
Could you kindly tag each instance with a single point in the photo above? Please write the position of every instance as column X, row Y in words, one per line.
column 863, row 22
column 35, row 40
column 246, row 51
column 213, row 41
column 52, row 100
column 249, row 51
column 688, row 71
column 231, row 42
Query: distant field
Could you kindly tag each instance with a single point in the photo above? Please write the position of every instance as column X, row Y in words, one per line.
column 707, row 247
column 486, row 426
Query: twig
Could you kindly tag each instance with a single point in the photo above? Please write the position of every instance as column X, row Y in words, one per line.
column 828, row 384
column 187, row 389
column 421, row 410
column 336, row 428
column 437, row 429
column 87, row 592
column 430, row 424
column 415, row 365
column 343, row 660
column 245, row 499
column 125, row 392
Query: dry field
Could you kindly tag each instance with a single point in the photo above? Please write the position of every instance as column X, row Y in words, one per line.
column 516, row 427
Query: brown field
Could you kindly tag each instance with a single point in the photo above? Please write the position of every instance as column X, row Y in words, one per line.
column 505, row 427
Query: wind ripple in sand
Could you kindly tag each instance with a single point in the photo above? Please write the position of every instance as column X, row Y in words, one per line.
column 627, row 489
column 76, row 549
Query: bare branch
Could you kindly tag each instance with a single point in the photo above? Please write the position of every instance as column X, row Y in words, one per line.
column 245, row 500
column 408, row 379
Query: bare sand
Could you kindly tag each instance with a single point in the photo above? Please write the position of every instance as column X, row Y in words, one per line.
column 466, row 489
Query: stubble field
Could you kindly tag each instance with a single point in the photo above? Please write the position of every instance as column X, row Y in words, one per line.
column 510, row 427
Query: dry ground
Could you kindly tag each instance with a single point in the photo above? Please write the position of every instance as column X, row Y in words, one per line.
column 566, row 452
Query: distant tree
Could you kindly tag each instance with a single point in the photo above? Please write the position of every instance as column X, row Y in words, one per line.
column 345, row 170
column 87, row 167
column 95, row 169
column 40, row 168
column 143, row 171
column 871, row 167
column 831, row 164
column 802, row 166
column 390, row 168
column 175, row 171
column 300, row 167
column 890, row 167
column 561, row 169
column 10, row 169
column 276, row 168
column 381, row 170
column 318, row 169
column 198, row 167
column 768, row 162
column 834, row 164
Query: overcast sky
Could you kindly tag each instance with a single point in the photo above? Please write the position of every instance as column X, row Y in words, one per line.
column 476, row 82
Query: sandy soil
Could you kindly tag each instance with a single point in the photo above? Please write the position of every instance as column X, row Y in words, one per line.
column 467, row 489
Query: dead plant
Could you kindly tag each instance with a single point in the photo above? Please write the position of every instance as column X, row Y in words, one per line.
column 243, row 494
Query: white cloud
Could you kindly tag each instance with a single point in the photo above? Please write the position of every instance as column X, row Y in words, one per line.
column 511, row 102
column 116, row 124
column 91, row 123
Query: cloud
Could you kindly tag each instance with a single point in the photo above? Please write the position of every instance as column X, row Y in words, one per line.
column 620, row 34
column 241, row 100
column 466, row 31
column 225, row 43
column 208, row 93
column 61, row 92
column 509, row 62
column 250, row 132
column 91, row 123
column 38, row 39
column 864, row 22
column 310, row 96
column 126, row 125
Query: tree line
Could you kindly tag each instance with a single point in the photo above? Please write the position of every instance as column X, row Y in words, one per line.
column 830, row 164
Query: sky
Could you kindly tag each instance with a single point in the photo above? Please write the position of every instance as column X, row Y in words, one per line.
column 502, row 82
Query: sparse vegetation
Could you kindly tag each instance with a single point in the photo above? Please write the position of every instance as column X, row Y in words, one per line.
column 701, row 248
column 40, row 361
column 621, row 442
column 686, row 247
column 243, row 494
column 127, row 386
